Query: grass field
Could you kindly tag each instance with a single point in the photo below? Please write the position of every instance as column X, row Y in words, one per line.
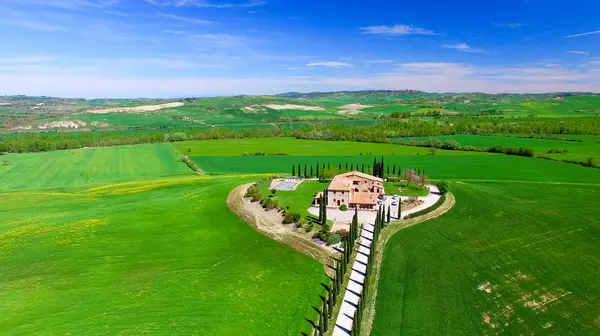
column 575, row 150
column 291, row 146
column 161, row 257
column 73, row 168
column 298, row 200
column 392, row 188
column 510, row 258
column 451, row 167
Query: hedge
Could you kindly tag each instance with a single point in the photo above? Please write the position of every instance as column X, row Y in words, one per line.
column 428, row 210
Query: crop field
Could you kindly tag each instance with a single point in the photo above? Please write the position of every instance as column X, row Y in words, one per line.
column 74, row 168
column 451, row 167
column 156, row 257
column 510, row 258
column 291, row 146
column 574, row 150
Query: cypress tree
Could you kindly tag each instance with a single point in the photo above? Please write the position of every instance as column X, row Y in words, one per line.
column 323, row 168
column 362, row 168
column 311, row 171
column 305, row 171
column 394, row 170
column 299, row 170
column 340, row 167
column 400, row 209
column 334, row 295
column 346, row 165
column 352, row 167
column 321, row 324
column 317, row 173
column 330, row 297
column 329, row 165
column 389, row 214
column 294, row 170
column 325, row 314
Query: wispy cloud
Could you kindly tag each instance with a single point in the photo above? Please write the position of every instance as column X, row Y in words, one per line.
column 399, row 29
column 21, row 19
column 510, row 25
column 329, row 64
column 461, row 47
column 184, row 18
column 383, row 61
column 206, row 4
column 578, row 52
column 27, row 59
column 584, row 34
column 68, row 4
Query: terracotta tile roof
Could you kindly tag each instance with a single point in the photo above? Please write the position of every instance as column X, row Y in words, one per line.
column 340, row 182
column 363, row 175
column 364, row 198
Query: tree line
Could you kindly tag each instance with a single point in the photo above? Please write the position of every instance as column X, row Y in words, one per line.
column 328, row 171
column 380, row 133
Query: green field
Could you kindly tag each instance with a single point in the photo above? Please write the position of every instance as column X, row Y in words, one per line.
column 451, row 167
column 291, row 146
column 510, row 258
column 575, row 150
column 74, row 168
column 298, row 200
column 161, row 257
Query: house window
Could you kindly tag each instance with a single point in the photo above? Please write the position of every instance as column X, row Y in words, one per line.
column 355, row 182
column 338, row 202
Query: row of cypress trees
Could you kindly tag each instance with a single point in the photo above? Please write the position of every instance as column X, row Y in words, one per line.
column 378, row 169
column 381, row 221
column 341, row 268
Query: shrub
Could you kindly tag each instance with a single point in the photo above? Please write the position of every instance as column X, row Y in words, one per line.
column 179, row 136
column 309, row 227
column 291, row 217
column 344, row 207
column 333, row 238
column 590, row 162
column 273, row 192
column 443, row 186
column 451, row 144
column 343, row 233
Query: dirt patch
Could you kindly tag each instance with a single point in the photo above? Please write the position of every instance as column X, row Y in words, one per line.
column 294, row 107
column 269, row 223
column 410, row 204
column 63, row 124
column 486, row 287
column 136, row 109
column 355, row 107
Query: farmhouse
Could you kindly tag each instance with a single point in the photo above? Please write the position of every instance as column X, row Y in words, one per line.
column 354, row 189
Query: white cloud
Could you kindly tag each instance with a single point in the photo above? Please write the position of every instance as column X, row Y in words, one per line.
column 399, row 29
column 184, row 18
column 329, row 64
column 383, row 61
column 584, row 34
column 578, row 52
column 510, row 25
column 461, row 47
column 205, row 4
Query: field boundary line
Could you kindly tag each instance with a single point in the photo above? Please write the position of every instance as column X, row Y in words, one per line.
column 236, row 203
column 386, row 234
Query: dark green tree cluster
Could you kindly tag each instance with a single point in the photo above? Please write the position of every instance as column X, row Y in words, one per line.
column 323, row 201
column 379, row 168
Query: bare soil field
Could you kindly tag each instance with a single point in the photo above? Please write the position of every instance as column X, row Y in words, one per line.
column 136, row 109
column 294, row 107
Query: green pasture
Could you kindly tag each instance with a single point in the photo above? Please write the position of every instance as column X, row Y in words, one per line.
column 298, row 200
column 575, row 150
column 160, row 257
column 393, row 188
column 388, row 109
column 292, row 146
column 508, row 259
column 74, row 168
column 451, row 167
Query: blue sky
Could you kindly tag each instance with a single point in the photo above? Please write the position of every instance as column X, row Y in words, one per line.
column 170, row 48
